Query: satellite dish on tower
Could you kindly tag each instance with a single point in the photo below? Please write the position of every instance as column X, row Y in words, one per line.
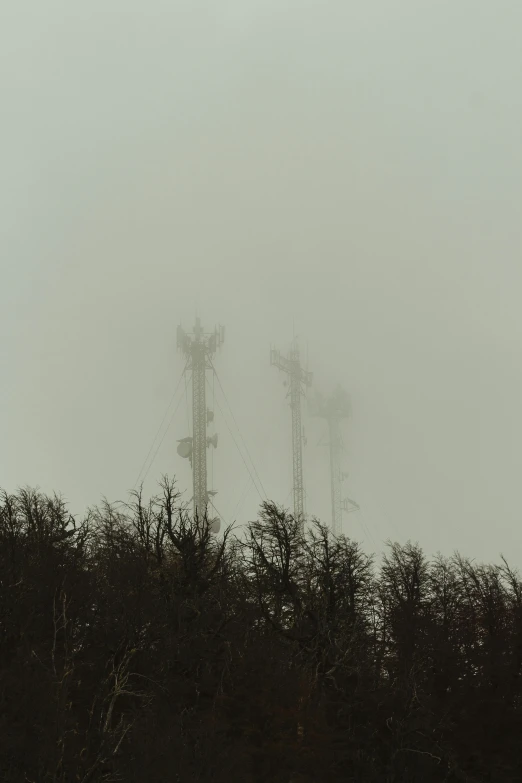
column 215, row 525
column 185, row 448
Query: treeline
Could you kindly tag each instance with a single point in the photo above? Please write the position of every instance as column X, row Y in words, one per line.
column 136, row 647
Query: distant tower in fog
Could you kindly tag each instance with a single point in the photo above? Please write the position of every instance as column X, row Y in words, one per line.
column 299, row 380
column 333, row 410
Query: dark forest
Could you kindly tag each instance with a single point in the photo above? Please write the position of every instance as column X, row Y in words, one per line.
column 136, row 646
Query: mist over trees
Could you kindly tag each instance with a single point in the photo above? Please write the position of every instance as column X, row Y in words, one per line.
column 136, row 646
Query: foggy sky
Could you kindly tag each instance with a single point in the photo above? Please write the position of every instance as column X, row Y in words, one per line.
column 350, row 170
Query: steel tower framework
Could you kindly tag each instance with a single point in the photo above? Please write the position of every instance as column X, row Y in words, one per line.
column 199, row 348
column 334, row 409
column 299, row 380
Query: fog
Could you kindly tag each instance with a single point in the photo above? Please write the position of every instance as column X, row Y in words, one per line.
column 350, row 172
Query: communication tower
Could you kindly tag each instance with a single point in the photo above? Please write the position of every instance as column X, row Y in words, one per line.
column 299, row 380
column 334, row 409
column 198, row 348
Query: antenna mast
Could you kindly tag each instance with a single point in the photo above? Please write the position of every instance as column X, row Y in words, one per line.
column 199, row 347
column 334, row 409
column 299, row 380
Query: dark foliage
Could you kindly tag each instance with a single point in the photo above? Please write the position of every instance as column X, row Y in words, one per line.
column 137, row 647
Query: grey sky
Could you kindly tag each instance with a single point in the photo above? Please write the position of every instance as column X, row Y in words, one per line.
column 355, row 167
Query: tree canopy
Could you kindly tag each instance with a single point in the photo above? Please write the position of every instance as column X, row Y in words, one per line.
column 136, row 646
